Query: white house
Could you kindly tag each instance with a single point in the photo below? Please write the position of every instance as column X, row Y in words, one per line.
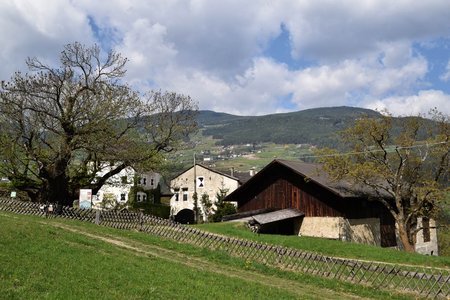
column 117, row 188
column 201, row 180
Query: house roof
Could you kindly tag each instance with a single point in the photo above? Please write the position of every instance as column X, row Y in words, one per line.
column 242, row 176
column 209, row 169
column 279, row 215
column 308, row 172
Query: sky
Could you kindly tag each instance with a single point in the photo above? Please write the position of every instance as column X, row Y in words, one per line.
column 251, row 57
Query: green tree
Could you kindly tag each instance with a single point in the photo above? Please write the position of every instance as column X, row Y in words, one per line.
column 222, row 208
column 61, row 125
column 109, row 201
column 207, row 206
column 408, row 173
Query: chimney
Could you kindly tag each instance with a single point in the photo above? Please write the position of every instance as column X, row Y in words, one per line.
column 252, row 171
column 232, row 171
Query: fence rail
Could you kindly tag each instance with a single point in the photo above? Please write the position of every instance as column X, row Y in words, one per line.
column 419, row 280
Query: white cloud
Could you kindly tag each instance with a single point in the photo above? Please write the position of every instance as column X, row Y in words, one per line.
column 356, row 50
column 214, row 36
column 332, row 30
column 38, row 28
column 146, row 47
column 258, row 89
column 421, row 103
column 254, row 92
column 348, row 82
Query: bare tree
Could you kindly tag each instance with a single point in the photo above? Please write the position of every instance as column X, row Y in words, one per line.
column 60, row 125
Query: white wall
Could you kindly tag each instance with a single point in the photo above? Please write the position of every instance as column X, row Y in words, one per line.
column 149, row 180
column 115, row 186
column 120, row 190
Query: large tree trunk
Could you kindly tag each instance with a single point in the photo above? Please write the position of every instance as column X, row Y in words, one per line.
column 404, row 237
column 56, row 183
column 58, row 191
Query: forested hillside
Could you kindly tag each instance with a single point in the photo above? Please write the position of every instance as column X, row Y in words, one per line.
column 313, row 126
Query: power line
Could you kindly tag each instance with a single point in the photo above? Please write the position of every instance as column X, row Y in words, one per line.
column 371, row 151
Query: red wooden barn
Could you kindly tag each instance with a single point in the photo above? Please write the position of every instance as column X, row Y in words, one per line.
column 335, row 210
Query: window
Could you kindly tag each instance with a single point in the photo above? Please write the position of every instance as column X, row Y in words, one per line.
column 141, row 197
column 124, row 179
column 185, row 194
column 426, row 229
column 122, row 197
column 144, row 181
column 200, row 181
column 151, row 182
column 176, row 192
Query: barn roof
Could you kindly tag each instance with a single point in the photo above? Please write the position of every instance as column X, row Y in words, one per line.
column 307, row 172
column 315, row 173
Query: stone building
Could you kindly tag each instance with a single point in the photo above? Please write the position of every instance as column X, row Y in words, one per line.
column 203, row 181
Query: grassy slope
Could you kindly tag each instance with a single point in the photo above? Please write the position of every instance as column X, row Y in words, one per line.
column 61, row 259
column 329, row 247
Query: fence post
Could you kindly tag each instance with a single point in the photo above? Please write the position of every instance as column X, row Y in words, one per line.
column 141, row 220
column 97, row 217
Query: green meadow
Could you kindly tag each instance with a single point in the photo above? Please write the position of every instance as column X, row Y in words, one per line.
column 62, row 259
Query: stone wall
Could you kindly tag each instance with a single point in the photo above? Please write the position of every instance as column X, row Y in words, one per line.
column 364, row 231
column 324, row 227
column 430, row 247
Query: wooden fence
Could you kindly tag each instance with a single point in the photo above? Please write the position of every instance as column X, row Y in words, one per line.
column 418, row 280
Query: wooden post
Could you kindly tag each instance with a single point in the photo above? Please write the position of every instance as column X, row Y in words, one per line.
column 97, row 217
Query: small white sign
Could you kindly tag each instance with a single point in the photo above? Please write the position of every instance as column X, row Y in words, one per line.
column 13, row 194
column 85, row 199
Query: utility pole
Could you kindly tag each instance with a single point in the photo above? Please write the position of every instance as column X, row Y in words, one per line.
column 195, row 176
column 195, row 196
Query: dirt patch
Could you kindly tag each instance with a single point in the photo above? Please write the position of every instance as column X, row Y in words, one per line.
column 250, row 156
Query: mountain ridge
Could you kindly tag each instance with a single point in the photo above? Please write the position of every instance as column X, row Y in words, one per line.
column 316, row 126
